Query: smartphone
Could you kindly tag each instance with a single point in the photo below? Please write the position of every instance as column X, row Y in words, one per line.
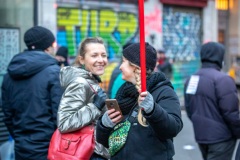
column 112, row 103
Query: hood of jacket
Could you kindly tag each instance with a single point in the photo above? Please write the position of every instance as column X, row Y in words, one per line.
column 28, row 63
column 212, row 52
column 70, row 73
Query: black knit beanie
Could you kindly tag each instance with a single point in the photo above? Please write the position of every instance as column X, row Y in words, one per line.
column 62, row 51
column 132, row 54
column 38, row 38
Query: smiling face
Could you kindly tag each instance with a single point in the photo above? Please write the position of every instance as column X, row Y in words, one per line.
column 128, row 71
column 95, row 58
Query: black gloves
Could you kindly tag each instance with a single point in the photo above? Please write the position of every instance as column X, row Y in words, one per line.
column 99, row 99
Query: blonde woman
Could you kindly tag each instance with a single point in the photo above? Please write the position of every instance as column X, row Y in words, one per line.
column 150, row 119
column 80, row 104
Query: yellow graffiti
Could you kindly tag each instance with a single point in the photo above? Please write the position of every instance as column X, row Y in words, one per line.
column 108, row 21
column 127, row 22
column 94, row 22
column 116, row 28
column 84, row 21
column 68, row 17
column 127, row 25
column 107, row 75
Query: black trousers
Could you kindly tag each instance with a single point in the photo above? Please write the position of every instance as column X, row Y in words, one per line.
column 218, row 151
column 97, row 157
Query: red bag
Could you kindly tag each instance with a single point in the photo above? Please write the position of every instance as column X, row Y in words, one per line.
column 77, row 145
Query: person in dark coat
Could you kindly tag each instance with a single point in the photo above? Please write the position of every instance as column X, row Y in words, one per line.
column 150, row 119
column 211, row 103
column 163, row 64
column 31, row 93
column 62, row 56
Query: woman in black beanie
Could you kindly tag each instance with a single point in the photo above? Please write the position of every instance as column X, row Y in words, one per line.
column 149, row 121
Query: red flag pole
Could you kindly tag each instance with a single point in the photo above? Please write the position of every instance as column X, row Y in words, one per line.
column 142, row 44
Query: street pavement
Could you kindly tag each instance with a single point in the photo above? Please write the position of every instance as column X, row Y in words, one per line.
column 185, row 145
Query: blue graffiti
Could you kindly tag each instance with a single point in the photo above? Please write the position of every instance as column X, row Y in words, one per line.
column 181, row 34
column 182, row 41
column 61, row 38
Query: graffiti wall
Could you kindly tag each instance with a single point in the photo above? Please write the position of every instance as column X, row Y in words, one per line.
column 153, row 23
column 177, row 31
column 116, row 24
column 182, row 41
column 181, row 34
column 115, row 27
column 9, row 46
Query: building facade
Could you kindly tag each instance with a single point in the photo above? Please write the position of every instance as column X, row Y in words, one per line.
column 180, row 27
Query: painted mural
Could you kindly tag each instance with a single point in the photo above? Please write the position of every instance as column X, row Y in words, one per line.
column 180, row 32
column 116, row 28
column 9, row 46
column 181, row 40
column 153, row 26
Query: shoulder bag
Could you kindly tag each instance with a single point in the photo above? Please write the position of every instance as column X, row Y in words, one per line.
column 118, row 137
column 77, row 145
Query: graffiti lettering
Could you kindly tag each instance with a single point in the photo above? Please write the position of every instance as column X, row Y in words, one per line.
column 116, row 28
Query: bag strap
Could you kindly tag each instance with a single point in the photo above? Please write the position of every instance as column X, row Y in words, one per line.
column 91, row 87
column 133, row 113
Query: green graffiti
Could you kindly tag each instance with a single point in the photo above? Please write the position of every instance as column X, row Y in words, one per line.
column 94, row 25
column 108, row 23
column 116, row 28
column 84, row 19
column 127, row 26
column 69, row 18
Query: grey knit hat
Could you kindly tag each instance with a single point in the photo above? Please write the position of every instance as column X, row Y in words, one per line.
column 132, row 53
column 39, row 38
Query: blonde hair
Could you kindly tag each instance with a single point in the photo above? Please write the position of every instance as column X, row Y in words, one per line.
column 82, row 48
column 137, row 73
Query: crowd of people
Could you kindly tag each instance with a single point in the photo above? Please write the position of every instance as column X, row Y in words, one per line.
column 42, row 92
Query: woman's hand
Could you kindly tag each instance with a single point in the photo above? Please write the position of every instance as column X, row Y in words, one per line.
column 145, row 101
column 99, row 99
column 142, row 96
column 115, row 116
column 111, row 118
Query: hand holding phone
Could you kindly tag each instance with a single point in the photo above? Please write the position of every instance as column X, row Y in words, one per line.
column 113, row 115
column 112, row 103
